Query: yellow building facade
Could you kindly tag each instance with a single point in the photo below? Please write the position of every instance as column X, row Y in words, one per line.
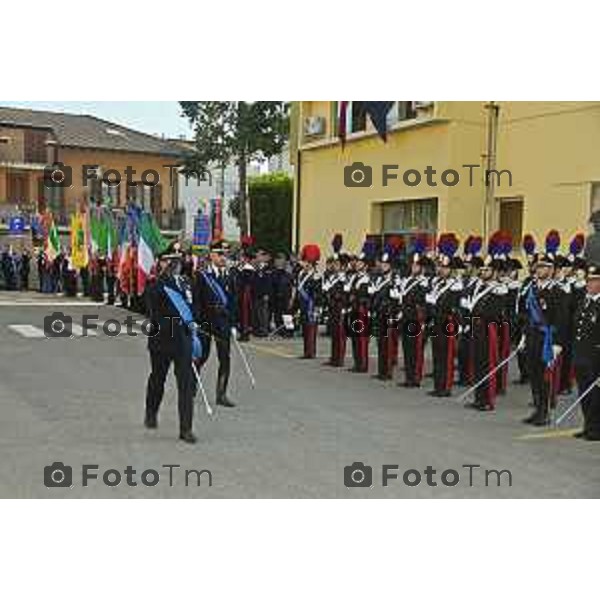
column 541, row 160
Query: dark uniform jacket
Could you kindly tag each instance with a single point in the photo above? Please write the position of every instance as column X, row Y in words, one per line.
column 552, row 302
column 586, row 343
column 412, row 291
column 443, row 302
column 173, row 335
column 214, row 299
column 281, row 289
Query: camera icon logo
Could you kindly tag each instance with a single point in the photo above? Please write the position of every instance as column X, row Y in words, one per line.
column 58, row 325
column 58, row 175
column 358, row 175
column 358, row 475
column 58, row 475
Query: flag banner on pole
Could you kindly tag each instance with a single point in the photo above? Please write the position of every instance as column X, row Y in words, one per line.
column 151, row 243
column 202, row 231
column 79, row 250
column 52, row 246
column 343, row 121
column 378, row 112
column 217, row 219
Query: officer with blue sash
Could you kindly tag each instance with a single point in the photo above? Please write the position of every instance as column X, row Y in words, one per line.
column 214, row 300
column 175, row 340
column 545, row 337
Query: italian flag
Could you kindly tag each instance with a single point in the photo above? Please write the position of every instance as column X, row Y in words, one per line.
column 52, row 242
column 150, row 244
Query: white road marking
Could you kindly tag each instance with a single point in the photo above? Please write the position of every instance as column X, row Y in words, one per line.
column 28, row 331
column 78, row 330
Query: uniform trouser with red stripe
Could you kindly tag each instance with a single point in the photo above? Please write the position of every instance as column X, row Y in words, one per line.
column 413, row 349
column 395, row 333
column 503, row 353
column 385, row 349
column 360, row 332
column 486, row 352
column 444, row 346
column 338, row 342
column 245, row 313
column 309, row 336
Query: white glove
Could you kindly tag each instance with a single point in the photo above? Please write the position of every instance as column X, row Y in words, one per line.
column 288, row 322
column 556, row 350
column 430, row 298
column 234, row 332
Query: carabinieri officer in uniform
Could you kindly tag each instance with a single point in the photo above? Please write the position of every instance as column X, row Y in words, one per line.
column 586, row 350
column 168, row 305
column 214, row 302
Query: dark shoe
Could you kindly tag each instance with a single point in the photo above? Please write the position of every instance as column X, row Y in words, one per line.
column 592, row 438
column 188, row 437
column 225, row 401
column 440, row 393
column 541, row 421
column 151, row 422
column 580, row 435
column 485, row 408
column 475, row 405
column 531, row 418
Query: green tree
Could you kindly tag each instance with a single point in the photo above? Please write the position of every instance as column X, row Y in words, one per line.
column 271, row 202
column 242, row 131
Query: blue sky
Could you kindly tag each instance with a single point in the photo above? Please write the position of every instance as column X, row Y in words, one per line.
column 150, row 117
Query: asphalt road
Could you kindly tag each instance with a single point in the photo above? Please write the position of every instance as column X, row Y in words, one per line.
column 80, row 401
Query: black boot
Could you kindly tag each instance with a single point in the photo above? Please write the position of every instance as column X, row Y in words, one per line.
column 541, row 419
column 222, row 399
column 188, row 437
column 151, row 422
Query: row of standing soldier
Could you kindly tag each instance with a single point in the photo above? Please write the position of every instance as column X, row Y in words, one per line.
column 475, row 311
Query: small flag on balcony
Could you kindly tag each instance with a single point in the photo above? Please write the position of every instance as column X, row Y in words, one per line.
column 378, row 112
column 343, row 121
